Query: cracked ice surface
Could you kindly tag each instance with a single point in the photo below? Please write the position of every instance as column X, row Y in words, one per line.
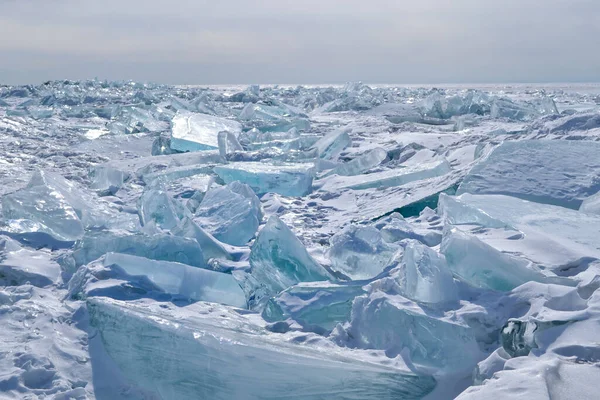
column 343, row 242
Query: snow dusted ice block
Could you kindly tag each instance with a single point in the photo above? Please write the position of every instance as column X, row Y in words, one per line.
column 423, row 275
column 282, row 178
column 361, row 163
column 317, row 306
column 222, row 355
column 279, row 260
column 550, row 236
column 51, row 202
column 399, row 326
column 176, row 279
column 388, row 178
column 360, row 252
column 230, row 213
column 558, row 172
column 331, row 145
column 19, row 265
column 483, row 266
column 195, row 132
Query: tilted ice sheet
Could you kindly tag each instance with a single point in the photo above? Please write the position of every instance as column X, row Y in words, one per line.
column 220, row 354
column 558, row 172
column 553, row 237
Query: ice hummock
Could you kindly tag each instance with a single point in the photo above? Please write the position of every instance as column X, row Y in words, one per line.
column 194, row 132
column 203, row 345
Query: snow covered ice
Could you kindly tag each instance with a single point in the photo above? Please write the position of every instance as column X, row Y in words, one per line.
column 344, row 242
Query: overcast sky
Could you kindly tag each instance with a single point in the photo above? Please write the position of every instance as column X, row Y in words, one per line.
column 301, row 41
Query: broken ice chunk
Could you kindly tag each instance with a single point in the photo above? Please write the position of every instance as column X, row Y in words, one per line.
column 282, row 178
column 331, row 145
column 182, row 280
column 317, row 306
column 211, row 247
column 505, row 108
column 361, row 163
column 222, row 355
column 279, row 260
column 483, row 266
column 160, row 247
column 156, row 207
column 395, row 228
column 194, row 132
column 107, row 179
column 228, row 143
column 423, row 275
column 230, row 213
column 360, row 252
column 558, row 172
column 388, row 178
column 399, row 326
column 49, row 204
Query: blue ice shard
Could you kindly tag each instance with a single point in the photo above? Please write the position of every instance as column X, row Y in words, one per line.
column 331, row 145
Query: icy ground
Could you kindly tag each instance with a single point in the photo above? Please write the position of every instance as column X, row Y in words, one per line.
column 311, row 242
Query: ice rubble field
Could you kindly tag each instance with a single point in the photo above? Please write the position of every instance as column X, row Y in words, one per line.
column 273, row 242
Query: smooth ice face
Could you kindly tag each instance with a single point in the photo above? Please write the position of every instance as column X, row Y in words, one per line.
column 551, row 236
column 558, row 172
column 285, row 179
column 222, row 355
column 211, row 247
column 361, row 163
column 195, row 132
column 317, row 306
column 360, row 252
column 402, row 327
column 178, row 280
column 591, row 205
column 50, row 204
column 388, row 178
column 160, row 247
column 423, row 275
column 105, row 178
column 279, row 260
column 483, row 266
column 331, row 145
column 230, row 213
column 156, row 207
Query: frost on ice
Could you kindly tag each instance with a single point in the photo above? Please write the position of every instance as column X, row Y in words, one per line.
column 310, row 242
